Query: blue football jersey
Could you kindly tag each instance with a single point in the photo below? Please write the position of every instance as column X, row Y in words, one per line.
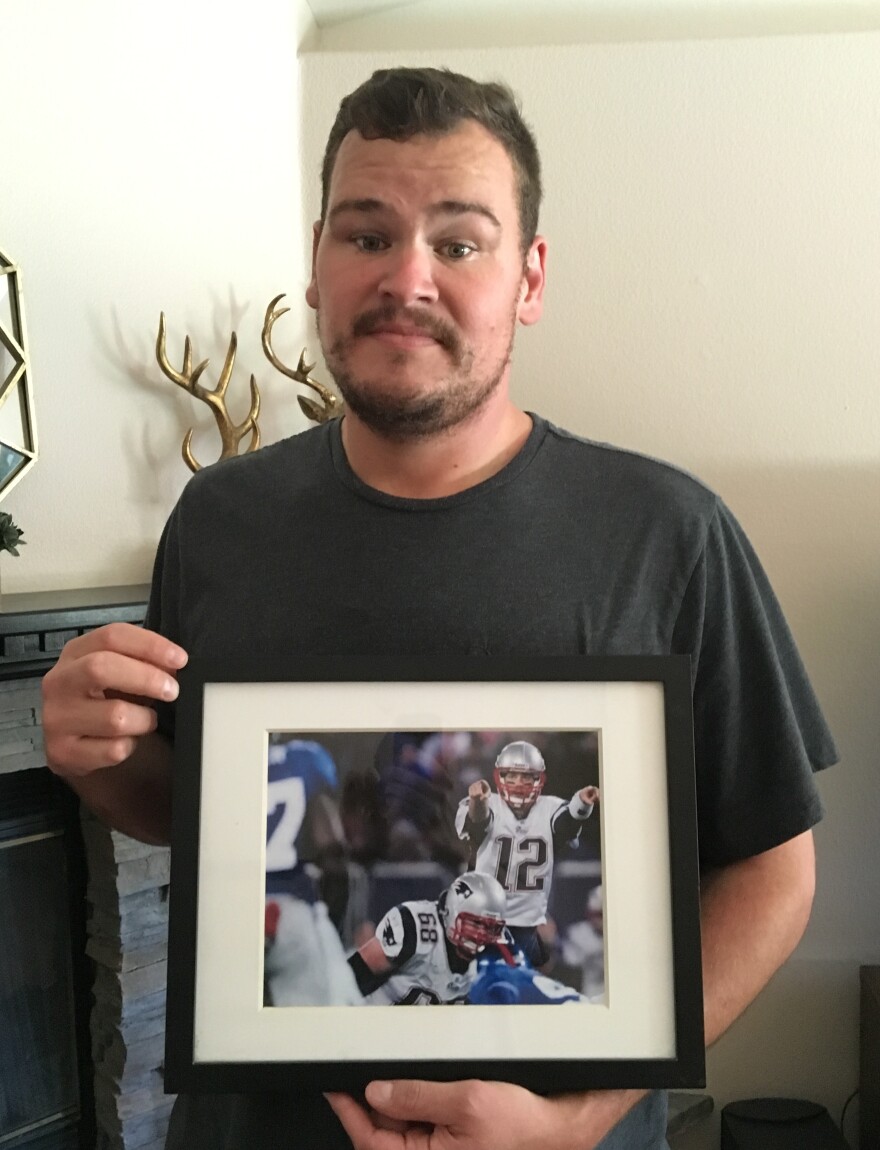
column 499, row 984
column 297, row 772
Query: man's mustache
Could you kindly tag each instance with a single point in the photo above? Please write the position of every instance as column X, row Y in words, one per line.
column 371, row 321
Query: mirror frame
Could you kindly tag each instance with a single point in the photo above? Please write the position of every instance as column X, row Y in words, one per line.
column 18, row 382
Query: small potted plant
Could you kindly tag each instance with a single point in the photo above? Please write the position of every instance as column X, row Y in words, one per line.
column 10, row 534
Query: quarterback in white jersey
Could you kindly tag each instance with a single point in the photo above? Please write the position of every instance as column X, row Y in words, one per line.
column 513, row 835
column 423, row 952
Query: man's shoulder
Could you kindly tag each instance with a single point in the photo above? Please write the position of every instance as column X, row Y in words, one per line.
column 609, row 470
column 290, row 461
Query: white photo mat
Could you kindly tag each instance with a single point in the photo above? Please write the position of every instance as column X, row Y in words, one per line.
column 637, row 1019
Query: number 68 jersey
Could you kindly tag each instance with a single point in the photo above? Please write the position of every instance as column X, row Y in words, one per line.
column 519, row 852
column 425, row 972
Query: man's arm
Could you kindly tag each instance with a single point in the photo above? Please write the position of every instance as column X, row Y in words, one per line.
column 99, row 725
column 474, row 823
column 753, row 914
column 371, row 966
column 568, row 822
column 133, row 796
column 372, row 963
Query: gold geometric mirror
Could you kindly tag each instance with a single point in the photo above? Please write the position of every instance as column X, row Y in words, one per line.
column 18, row 431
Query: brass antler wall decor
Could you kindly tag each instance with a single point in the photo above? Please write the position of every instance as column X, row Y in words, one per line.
column 331, row 405
column 231, row 434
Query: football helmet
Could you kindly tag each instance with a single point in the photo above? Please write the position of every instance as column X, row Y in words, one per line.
column 595, row 908
column 472, row 911
column 520, row 775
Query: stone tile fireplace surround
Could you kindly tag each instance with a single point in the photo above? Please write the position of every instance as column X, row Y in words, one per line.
column 117, row 889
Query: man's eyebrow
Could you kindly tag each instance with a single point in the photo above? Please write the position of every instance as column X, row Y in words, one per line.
column 356, row 206
column 463, row 208
column 442, row 208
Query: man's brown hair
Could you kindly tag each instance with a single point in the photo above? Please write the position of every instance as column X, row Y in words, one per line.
column 396, row 103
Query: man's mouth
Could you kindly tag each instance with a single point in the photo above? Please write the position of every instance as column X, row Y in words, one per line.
column 404, row 332
column 397, row 335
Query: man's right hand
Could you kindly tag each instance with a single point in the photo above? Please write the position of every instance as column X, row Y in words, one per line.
column 98, row 698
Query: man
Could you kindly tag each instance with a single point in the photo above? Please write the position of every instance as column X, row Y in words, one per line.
column 514, row 835
column 437, row 518
column 423, row 952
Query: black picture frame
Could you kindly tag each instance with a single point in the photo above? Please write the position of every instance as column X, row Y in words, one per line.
column 648, row 1030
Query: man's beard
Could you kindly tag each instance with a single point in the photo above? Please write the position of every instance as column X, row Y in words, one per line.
column 401, row 417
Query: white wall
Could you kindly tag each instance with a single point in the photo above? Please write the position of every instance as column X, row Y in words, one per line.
column 149, row 163
column 713, row 296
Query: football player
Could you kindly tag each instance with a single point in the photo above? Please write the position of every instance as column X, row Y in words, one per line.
column 500, row 982
column 513, row 835
column 423, row 951
column 583, row 946
column 304, row 963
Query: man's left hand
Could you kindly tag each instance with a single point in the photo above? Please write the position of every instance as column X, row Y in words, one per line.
column 589, row 795
column 476, row 1115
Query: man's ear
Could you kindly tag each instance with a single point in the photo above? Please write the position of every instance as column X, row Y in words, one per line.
column 312, row 289
column 531, row 301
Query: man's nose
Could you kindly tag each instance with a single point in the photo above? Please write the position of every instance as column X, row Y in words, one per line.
column 408, row 276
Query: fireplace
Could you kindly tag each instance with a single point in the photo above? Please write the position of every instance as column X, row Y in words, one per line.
column 83, row 921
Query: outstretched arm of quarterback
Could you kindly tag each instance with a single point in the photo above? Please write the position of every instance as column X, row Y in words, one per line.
column 753, row 913
column 569, row 819
column 472, row 821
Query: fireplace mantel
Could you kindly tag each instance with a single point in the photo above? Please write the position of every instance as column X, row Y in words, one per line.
column 35, row 625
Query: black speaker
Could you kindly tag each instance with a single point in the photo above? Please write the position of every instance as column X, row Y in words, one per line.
column 778, row 1124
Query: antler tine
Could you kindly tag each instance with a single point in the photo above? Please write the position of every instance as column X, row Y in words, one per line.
column 272, row 314
column 177, row 377
column 303, row 368
column 252, row 416
column 228, row 364
column 186, row 451
column 214, row 397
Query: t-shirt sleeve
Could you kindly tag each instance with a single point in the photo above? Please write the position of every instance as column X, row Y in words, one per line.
column 758, row 730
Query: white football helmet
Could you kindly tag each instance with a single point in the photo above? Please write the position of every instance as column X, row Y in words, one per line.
column 520, row 775
column 472, row 911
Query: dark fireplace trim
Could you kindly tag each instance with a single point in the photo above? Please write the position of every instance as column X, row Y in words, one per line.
column 34, row 626
column 33, row 629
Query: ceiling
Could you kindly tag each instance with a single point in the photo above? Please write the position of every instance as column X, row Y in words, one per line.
column 327, row 12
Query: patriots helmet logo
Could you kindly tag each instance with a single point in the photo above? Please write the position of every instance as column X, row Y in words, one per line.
column 388, row 935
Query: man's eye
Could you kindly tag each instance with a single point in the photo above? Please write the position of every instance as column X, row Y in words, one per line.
column 457, row 250
column 369, row 243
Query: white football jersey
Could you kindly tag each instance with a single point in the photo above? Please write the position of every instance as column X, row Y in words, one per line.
column 425, row 978
column 519, row 853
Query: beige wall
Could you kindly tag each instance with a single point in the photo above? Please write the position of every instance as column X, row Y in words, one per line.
column 713, row 299
column 714, row 287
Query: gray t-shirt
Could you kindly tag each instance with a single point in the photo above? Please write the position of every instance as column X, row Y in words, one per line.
column 573, row 548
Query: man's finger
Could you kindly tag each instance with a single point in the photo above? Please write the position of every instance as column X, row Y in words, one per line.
column 128, row 639
column 439, row 1103
column 108, row 671
column 352, row 1116
column 362, row 1128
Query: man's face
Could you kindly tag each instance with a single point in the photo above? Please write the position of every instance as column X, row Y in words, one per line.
column 418, row 278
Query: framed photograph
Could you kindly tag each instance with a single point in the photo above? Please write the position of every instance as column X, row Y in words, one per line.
column 511, row 838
